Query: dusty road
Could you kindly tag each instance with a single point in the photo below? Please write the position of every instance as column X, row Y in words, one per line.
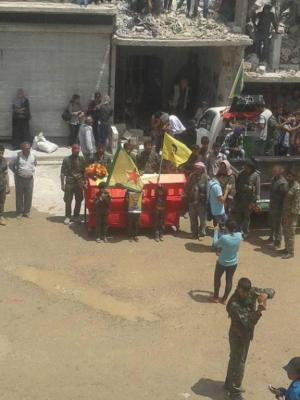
column 125, row 321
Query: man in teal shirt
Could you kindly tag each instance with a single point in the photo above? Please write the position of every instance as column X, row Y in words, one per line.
column 228, row 245
column 216, row 200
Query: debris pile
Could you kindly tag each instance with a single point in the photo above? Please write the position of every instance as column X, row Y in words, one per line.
column 169, row 26
column 290, row 51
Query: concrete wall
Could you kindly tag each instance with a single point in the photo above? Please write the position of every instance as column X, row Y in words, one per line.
column 230, row 61
column 51, row 63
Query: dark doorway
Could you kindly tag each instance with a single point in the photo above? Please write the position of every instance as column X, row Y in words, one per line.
column 138, row 88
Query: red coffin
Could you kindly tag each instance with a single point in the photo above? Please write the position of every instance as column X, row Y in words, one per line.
column 173, row 184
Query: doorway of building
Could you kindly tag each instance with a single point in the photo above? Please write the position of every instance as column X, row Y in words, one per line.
column 164, row 78
column 138, row 88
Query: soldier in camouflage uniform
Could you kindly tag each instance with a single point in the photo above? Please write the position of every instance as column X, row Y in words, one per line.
column 279, row 187
column 247, row 193
column 244, row 308
column 148, row 161
column 290, row 214
column 196, row 197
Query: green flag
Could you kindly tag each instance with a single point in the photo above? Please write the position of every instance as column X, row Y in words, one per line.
column 124, row 172
column 238, row 83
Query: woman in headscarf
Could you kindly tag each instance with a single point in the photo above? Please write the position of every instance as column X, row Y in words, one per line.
column 226, row 177
column 196, row 195
column 105, row 114
column 20, row 119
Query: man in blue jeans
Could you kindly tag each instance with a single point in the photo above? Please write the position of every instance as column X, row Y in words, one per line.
column 216, row 200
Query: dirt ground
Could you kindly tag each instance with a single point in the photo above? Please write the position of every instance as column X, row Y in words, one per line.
column 122, row 320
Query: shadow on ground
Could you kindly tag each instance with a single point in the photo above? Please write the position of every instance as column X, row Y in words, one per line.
column 198, row 247
column 200, row 296
column 255, row 238
column 209, row 388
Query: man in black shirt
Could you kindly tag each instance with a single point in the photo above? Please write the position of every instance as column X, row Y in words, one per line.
column 263, row 22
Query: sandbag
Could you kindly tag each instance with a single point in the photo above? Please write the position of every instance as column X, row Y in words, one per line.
column 40, row 143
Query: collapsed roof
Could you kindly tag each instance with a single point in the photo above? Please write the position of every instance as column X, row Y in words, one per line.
column 172, row 25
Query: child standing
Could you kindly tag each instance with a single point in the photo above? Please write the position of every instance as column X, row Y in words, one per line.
column 159, row 212
column 134, row 209
column 102, row 202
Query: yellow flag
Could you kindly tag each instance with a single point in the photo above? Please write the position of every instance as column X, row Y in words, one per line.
column 175, row 151
column 124, row 172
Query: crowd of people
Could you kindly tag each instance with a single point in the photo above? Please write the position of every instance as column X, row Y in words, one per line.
column 90, row 127
column 214, row 191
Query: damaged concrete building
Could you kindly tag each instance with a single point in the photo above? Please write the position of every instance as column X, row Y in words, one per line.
column 54, row 50
column 278, row 80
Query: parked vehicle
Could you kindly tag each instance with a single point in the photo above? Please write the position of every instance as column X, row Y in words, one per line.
column 215, row 123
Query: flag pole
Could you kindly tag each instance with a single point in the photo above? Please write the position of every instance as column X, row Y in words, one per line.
column 161, row 161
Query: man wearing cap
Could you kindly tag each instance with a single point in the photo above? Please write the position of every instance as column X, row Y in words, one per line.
column 247, row 193
column 172, row 125
column 244, row 309
column 72, row 182
column 290, row 214
column 196, row 193
column 293, row 372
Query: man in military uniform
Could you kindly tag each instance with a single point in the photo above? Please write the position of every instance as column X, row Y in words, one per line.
column 102, row 157
column 247, row 193
column 148, row 161
column 72, row 183
column 4, row 184
column 195, row 195
column 278, row 190
column 290, row 214
column 244, row 308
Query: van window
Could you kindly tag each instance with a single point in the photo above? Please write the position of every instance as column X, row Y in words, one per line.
column 207, row 120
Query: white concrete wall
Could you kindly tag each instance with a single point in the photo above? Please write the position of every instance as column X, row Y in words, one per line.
column 51, row 63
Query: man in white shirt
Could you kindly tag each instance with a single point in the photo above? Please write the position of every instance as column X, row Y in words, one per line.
column 23, row 166
column 172, row 125
column 266, row 124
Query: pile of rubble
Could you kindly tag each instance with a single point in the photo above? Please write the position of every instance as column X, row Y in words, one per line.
column 290, row 50
column 169, row 26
